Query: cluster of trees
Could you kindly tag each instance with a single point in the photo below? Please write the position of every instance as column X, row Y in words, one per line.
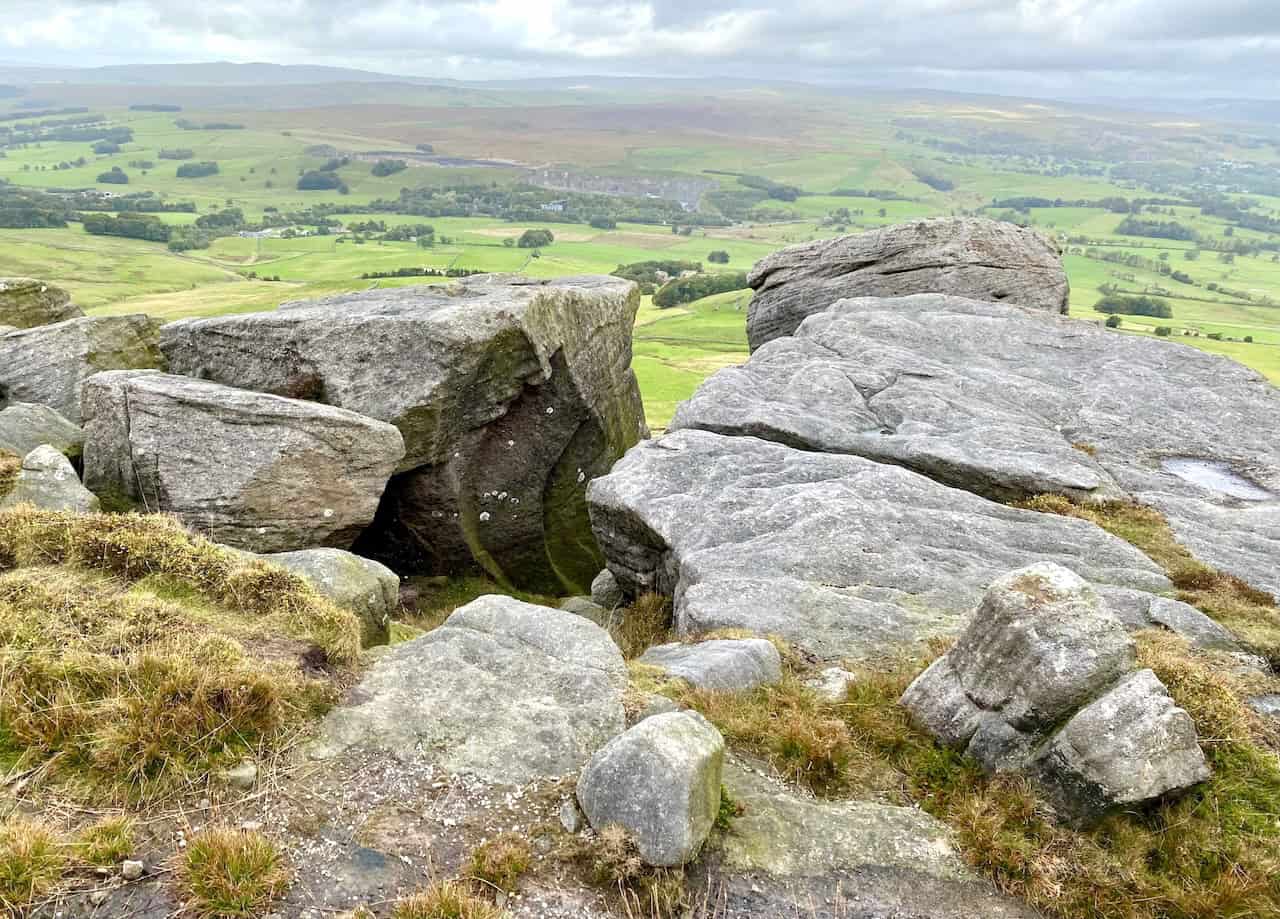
column 153, row 107
column 421, row 273
column 524, row 204
column 1158, row 229
column 653, row 274
column 41, row 113
column 188, row 125
column 114, row 176
column 28, row 208
column 718, row 257
column 384, row 168
column 936, row 182
column 424, row 233
column 73, row 133
column 1115, row 204
column 141, row 164
column 133, row 226
column 106, row 147
column 696, row 286
column 197, row 170
column 603, row 223
column 536, row 239
column 321, row 180
column 178, row 153
column 229, row 218
column 1134, row 306
column 880, row 194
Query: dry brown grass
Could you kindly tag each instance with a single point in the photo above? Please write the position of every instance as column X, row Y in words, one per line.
column 106, row 842
column 501, row 861
column 32, row 859
column 445, row 900
column 611, row 860
column 10, row 466
column 646, row 622
column 227, row 874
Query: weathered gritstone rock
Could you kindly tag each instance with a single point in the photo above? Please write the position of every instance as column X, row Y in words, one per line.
column 1042, row 682
column 1008, row 402
column 254, row 471
column 511, row 394
column 729, row 665
column 49, row 481
column 660, row 781
column 26, row 303
column 837, row 554
column 605, row 590
column 1132, row 745
column 962, row 256
column 48, row 364
column 25, row 426
column 786, row 852
column 504, row 691
column 367, row 588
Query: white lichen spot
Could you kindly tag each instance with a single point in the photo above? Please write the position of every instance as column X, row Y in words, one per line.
column 328, row 512
column 582, row 476
column 551, row 410
column 511, row 443
column 484, row 516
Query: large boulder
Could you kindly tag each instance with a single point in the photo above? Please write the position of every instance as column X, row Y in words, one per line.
column 1008, row 402
column 1042, row 681
column 257, row 472
column 504, row 691
column 660, row 781
column 47, row 365
column 511, row 394
column 724, row 665
column 367, row 588
column 838, row 554
column 49, row 481
column 964, row 256
column 26, row 303
column 25, row 426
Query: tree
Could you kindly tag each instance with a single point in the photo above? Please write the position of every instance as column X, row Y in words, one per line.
column 536, row 239
column 106, row 147
column 384, row 168
column 115, row 177
column 1113, row 322
column 320, row 180
column 604, row 223
column 718, row 257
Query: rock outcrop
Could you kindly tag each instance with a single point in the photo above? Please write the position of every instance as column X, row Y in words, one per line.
column 47, row 365
column 257, row 472
column 511, row 394
column 504, row 691
column 26, row 303
column 1007, row 402
column 660, row 781
column 361, row 585
column 25, row 426
column 963, row 256
column 838, row 554
column 49, row 481
column 725, row 665
column 1042, row 681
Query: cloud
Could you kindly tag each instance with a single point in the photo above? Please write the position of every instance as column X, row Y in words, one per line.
column 1056, row 47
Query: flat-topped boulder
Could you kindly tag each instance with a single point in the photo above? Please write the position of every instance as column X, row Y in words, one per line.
column 1008, row 402
column 26, row 303
column 47, row 365
column 504, row 691
column 47, row 480
column 258, row 472
column 838, row 554
column 963, row 256
column 511, row 394
column 365, row 587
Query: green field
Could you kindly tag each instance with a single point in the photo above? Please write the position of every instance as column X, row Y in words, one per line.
column 877, row 151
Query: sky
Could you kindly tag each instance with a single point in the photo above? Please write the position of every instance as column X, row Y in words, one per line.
column 1061, row 48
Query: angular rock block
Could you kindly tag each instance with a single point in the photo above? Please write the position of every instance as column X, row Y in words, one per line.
column 26, row 303
column 47, row 365
column 660, row 781
column 962, row 256
column 361, row 585
column 725, row 665
column 47, row 480
column 504, row 691
column 25, row 426
column 511, row 394
column 257, row 472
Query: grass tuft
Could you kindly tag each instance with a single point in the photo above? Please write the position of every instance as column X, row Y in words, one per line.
column 643, row 624
column 227, row 873
column 445, row 900
column 612, row 860
column 32, row 860
column 107, row 842
column 501, row 861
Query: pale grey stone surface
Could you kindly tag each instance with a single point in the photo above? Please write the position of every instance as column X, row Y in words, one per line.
column 48, row 480
column 367, row 588
column 729, row 665
column 26, row 425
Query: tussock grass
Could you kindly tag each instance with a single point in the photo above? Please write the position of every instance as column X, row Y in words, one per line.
column 611, row 859
column 107, row 842
column 646, row 622
column 431, row 600
column 1251, row 614
column 445, row 900
column 10, row 466
column 137, row 659
column 32, row 859
column 501, row 861
column 227, row 873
